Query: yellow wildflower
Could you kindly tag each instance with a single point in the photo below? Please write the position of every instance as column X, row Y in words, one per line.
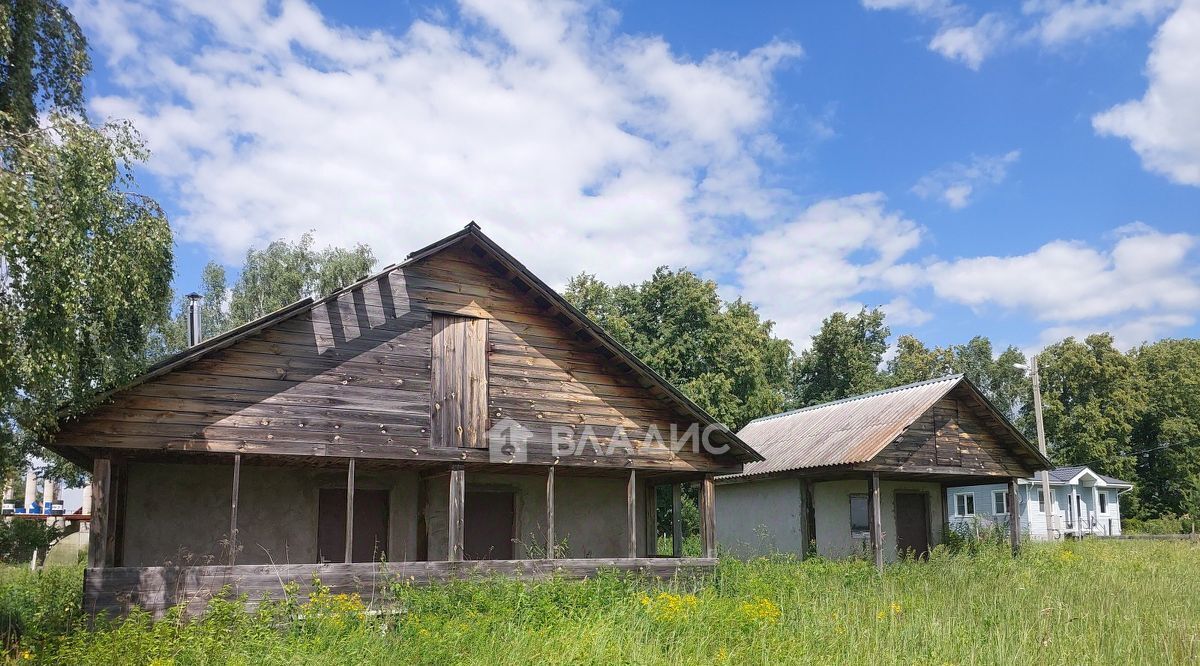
column 761, row 610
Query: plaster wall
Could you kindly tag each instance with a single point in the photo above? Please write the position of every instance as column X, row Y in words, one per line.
column 760, row 517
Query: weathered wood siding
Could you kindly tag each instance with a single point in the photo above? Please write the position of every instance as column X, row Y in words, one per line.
column 156, row 589
column 952, row 437
column 353, row 378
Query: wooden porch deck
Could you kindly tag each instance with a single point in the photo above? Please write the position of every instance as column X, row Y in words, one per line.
column 117, row 590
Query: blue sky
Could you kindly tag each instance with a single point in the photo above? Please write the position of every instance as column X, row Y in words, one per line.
column 1023, row 172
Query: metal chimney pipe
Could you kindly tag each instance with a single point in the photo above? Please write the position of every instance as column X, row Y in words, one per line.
column 195, row 333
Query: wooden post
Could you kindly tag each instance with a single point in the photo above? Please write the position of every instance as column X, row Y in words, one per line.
column 631, row 511
column 809, row 532
column 1014, row 516
column 350, row 513
column 98, row 555
column 944, row 503
column 458, row 492
column 550, row 514
column 233, row 528
column 708, row 516
column 875, row 520
column 650, row 517
column 676, row 520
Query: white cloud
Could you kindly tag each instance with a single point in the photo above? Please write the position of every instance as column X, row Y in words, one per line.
column 1052, row 23
column 970, row 44
column 1146, row 282
column 956, row 183
column 574, row 145
column 826, row 258
column 1164, row 125
column 1060, row 22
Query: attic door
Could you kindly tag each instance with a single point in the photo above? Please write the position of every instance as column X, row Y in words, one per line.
column 459, row 381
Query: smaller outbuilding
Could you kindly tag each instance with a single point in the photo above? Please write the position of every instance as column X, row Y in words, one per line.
column 869, row 474
column 1083, row 503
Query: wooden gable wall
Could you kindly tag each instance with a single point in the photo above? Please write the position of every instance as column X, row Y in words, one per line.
column 955, row 436
column 353, row 377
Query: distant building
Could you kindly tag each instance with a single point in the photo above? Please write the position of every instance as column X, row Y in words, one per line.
column 1083, row 503
column 869, row 474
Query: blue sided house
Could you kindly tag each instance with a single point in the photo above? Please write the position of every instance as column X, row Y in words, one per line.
column 1083, row 502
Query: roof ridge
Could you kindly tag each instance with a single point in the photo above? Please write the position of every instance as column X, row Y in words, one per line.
column 861, row 396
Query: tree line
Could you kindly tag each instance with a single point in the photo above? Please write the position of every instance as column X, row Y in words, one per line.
column 1134, row 415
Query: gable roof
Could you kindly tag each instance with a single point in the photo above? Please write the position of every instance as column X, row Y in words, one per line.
column 853, row 430
column 1068, row 474
column 742, row 451
column 521, row 278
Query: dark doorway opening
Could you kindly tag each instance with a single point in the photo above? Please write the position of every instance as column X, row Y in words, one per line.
column 370, row 525
column 488, row 525
column 912, row 523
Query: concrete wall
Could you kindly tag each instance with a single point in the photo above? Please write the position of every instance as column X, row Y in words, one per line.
column 179, row 514
column 832, row 502
column 764, row 517
column 589, row 514
column 760, row 517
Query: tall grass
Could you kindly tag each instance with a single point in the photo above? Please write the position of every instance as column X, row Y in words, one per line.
column 1077, row 603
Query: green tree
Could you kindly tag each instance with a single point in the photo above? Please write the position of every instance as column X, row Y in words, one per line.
column 723, row 355
column 87, row 268
column 1167, row 434
column 915, row 362
column 844, row 358
column 1005, row 385
column 43, row 61
column 1092, row 399
column 286, row 272
column 275, row 277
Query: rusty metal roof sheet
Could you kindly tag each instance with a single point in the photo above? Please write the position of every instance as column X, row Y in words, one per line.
column 848, row 431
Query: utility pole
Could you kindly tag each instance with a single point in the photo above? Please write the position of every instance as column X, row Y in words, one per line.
column 1047, row 502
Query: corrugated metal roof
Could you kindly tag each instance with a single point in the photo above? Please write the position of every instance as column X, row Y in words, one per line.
column 848, row 431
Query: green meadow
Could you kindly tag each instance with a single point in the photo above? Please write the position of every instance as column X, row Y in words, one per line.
column 1073, row 603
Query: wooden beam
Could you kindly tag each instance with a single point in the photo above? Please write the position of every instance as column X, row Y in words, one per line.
column 550, row 540
column 233, row 506
column 876, row 520
column 945, row 504
column 350, row 512
column 118, row 490
column 676, row 520
column 809, row 531
column 458, row 493
column 100, row 527
column 631, row 511
column 650, row 517
column 1014, row 516
column 117, row 590
column 708, row 517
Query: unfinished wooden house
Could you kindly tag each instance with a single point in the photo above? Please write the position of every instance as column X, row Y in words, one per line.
column 448, row 416
column 868, row 475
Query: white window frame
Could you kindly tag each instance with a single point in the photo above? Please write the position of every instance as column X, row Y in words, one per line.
column 960, row 513
column 1003, row 494
column 1104, row 500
